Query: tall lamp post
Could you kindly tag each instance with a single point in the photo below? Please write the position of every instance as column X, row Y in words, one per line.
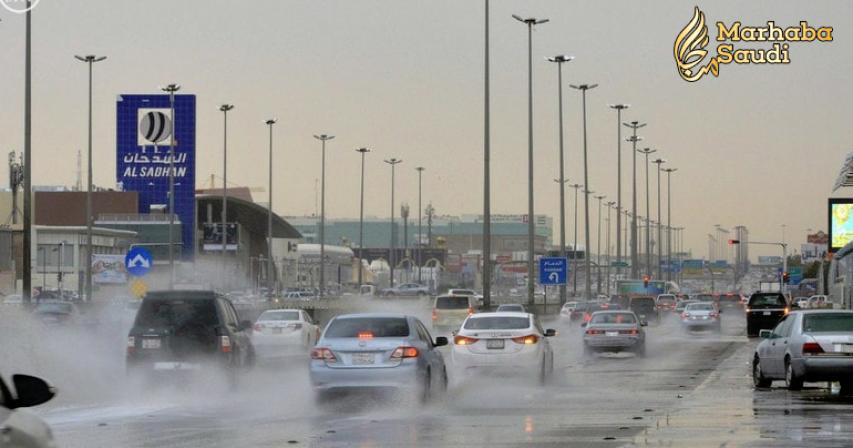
column 583, row 88
column 419, row 245
column 635, row 260
column 669, row 172
column 171, row 89
column 646, row 152
column 391, row 258
column 323, row 139
column 90, row 60
column 659, row 162
column 586, row 250
column 560, row 60
column 610, row 205
column 225, row 108
column 619, row 108
column 598, row 245
column 530, row 22
column 575, row 245
column 487, row 204
column 363, row 151
column 270, row 124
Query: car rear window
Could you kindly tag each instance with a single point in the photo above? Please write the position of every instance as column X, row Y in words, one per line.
column 667, row 299
column 452, row 303
column 700, row 307
column 172, row 313
column 511, row 308
column 705, row 298
column 613, row 318
column 828, row 323
column 377, row 327
column 497, row 323
column 767, row 301
column 279, row 315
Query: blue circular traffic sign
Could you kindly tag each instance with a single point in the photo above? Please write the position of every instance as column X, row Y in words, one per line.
column 138, row 261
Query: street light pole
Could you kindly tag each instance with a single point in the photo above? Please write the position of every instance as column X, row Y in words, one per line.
column 560, row 60
column 90, row 60
column 598, row 245
column 669, row 229
column 323, row 139
column 646, row 152
column 531, row 283
column 363, row 151
column 586, row 250
column 28, row 185
column 270, row 264
column 635, row 260
column 419, row 245
column 583, row 88
column 658, row 162
column 575, row 245
column 171, row 89
column 393, row 162
column 610, row 206
column 225, row 108
column 487, row 204
column 619, row 108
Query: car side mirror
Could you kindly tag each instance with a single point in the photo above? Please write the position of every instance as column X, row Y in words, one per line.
column 550, row 332
column 440, row 341
column 245, row 325
column 644, row 324
column 765, row 334
column 31, row 391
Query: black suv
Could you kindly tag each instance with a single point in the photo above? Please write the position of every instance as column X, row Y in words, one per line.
column 185, row 331
column 764, row 311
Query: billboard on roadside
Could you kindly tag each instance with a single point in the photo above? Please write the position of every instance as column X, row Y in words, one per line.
column 212, row 239
column 108, row 269
column 840, row 222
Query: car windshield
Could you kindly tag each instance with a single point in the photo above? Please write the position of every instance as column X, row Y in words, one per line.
column 613, row 318
column 279, row 315
column 666, row 299
column 452, row 303
column 828, row 323
column 168, row 313
column 57, row 308
column 463, row 292
column 705, row 298
column 497, row 323
column 767, row 301
column 377, row 327
column 700, row 307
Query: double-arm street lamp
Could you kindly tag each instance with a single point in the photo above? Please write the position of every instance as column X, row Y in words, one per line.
column 635, row 261
column 323, row 139
column 560, row 60
column 619, row 108
column 668, row 172
column 583, row 88
column 391, row 258
column 646, row 152
column 659, row 162
column 363, row 151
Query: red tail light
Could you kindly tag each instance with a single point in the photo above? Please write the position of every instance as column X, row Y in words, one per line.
column 632, row 331
column 812, row 348
column 365, row 335
column 323, row 354
column 225, row 344
column 258, row 327
column 404, row 352
column 464, row 340
column 526, row 340
column 594, row 331
column 434, row 314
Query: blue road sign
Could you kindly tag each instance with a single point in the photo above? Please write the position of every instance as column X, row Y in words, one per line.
column 138, row 261
column 553, row 271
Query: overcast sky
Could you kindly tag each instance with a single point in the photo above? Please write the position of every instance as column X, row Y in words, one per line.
column 758, row 146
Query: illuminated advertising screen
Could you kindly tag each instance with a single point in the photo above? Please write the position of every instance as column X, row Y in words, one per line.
column 840, row 222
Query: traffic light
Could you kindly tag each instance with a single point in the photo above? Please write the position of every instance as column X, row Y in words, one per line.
column 646, row 279
column 733, row 242
column 786, row 277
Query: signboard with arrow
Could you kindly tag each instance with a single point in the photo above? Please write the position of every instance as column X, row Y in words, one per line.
column 553, row 271
column 138, row 261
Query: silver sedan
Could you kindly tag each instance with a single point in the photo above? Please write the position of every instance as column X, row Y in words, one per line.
column 378, row 352
column 614, row 331
column 810, row 345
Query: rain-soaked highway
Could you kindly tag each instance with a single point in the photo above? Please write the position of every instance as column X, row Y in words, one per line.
column 690, row 390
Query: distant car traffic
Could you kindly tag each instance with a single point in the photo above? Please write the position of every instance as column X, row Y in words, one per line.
column 614, row 331
column 645, row 308
column 567, row 310
column 277, row 333
column 24, row 429
column 764, row 311
column 407, row 289
column 818, row 302
column 807, row 346
column 449, row 311
column 511, row 342
column 680, row 306
column 800, row 302
column 55, row 313
column 184, row 331
column 378, row 351
column 511, row 308
column 666, row 302
column 701, row 315
column 466, row 292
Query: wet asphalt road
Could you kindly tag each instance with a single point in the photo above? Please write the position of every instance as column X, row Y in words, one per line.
column 690, row 390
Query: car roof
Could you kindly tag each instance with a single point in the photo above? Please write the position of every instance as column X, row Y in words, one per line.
column 180, row 295
column 362, row 315
column 613, row 312
column 499, row 314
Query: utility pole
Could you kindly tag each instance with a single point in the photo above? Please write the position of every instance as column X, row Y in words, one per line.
column 560, row 60
column 487, row 204
column 363, row 151
column 669, row 172
column 270, row 264
column 610, row 206
column 26, row 293
column 659, row 162
column 393, row 162
column 619, row 108
column 583, row 88
column 635, row 261
column 419, row 244
column 224, row 109
column 323, row 139
column 171, row 89
column 598, row 246
column 646, row 152
column 575, row 245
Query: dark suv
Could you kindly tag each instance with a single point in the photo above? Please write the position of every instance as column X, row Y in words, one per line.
column 645, row 308
column 185, row 331
column 764, row 311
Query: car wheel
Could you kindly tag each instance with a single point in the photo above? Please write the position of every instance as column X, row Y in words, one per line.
column 750, row 331
column 758, row 378
column 426, row 388
column 792, row 381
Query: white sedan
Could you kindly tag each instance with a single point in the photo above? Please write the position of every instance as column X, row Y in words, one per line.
column 279, row 333
column 503, row 341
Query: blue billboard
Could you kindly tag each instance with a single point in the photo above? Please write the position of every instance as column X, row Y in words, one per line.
column 143, row 163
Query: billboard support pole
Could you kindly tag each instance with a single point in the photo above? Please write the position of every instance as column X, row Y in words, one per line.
column 171, row 89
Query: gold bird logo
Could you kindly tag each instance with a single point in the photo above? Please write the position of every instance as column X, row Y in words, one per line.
column 689, row 49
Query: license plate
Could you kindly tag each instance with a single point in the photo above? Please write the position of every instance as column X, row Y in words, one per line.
column 495, row 344
column 361, row 359
column 843, row 348
column 611, row 333
column 767, row 313
column 151, row 343
column 175, row 366
column 276, row 330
